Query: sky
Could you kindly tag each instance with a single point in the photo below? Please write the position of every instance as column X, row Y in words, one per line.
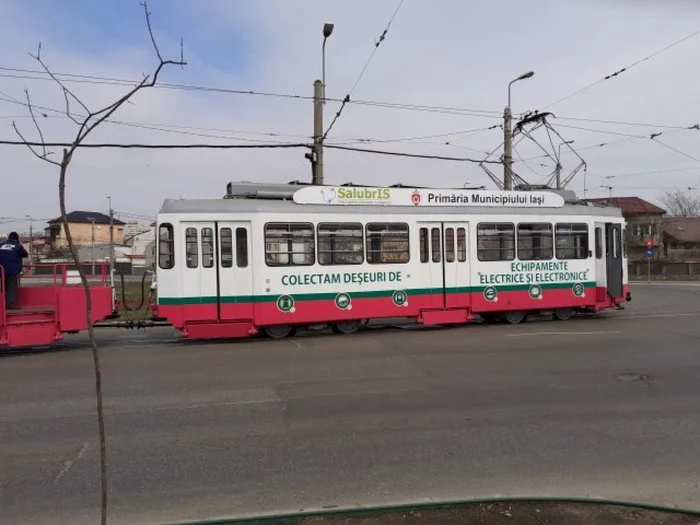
column 440, row 53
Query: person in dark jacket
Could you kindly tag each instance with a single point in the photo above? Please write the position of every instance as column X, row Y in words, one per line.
column 11, row 255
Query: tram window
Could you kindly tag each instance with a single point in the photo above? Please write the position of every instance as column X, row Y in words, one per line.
column 241, row 247
column 535, row 241
column 616, row 244
column 226, row 248
column 387, row 243
column 495, row 241
column 207, row 247
column 598, row 243
column 572, row 241
column 624, row 242
column 166, row 245
column 289, row 244
column 461, row 244
column 449, row 245
column 340, row 243
column 424, row 247
column 435, row 243
column 191, row 248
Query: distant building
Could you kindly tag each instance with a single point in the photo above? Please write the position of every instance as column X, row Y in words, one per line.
column 644, row 221
column 86, row 227
column 682, row 239
column 142, row 243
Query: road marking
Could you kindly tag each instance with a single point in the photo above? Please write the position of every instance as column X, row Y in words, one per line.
column 359, row 393
column 597, row 332
column 69, row 463
column 677, row 283
column 651, row 316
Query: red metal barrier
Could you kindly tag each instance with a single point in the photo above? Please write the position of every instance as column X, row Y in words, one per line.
column 51, row 302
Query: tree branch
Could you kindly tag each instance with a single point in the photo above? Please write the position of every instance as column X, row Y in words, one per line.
column 85, row 127
column 28, row 144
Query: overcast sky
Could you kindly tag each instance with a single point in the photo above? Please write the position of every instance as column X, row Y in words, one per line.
column 441, row 53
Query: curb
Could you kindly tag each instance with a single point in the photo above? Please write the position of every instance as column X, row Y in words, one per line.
column 291, row 517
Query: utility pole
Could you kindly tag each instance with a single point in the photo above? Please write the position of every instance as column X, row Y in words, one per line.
column 111, row 238
column 317, row 161
column 316, row 155
column 92, row 221
column 31, row 246
column 31, row 241
column 508, row 137
column 507, row 148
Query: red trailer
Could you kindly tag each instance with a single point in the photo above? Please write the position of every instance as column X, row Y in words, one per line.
column 51, row 302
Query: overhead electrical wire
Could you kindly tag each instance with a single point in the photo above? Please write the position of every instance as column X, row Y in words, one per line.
column 239, row 146
column 362, row 72
column 412, row 155
column 114, row 145
column 483, row 113
column 623, row 70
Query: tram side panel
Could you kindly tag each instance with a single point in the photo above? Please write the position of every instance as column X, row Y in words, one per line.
column 313, row 270
column 541, row 263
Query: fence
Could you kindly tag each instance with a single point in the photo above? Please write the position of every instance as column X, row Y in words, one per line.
column 664, row 270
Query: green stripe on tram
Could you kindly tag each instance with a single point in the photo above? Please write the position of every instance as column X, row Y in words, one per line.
column 232, row 299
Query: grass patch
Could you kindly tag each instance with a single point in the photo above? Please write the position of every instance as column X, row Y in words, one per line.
column 132, row 293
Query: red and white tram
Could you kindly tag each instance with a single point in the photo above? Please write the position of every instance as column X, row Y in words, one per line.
column 276, row 257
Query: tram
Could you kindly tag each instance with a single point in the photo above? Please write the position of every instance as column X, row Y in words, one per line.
column 276, row 257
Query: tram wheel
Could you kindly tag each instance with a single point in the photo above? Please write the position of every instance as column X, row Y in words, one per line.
column 346, row 327
column 515, row 316
column 563, row 314
column 278, row 331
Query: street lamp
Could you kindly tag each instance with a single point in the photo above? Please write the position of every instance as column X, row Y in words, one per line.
column 316, row 156
column 327, row 31
column 559, row 162
column 508, row 137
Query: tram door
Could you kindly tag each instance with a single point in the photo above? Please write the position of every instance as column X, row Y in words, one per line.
column 614, row 259
column 235, row 271
column 456, row 274
column 443, row 256
column 601, row 258
column 199, row 283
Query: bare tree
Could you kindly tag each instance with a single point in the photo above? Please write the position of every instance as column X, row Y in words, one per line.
column 86, row 121
column 681, row 203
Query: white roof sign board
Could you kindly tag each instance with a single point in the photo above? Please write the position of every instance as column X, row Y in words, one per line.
column 360, row 196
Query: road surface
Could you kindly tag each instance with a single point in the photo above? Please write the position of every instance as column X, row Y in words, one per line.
column 606, row 406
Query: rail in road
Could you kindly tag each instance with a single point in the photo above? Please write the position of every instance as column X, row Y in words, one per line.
column 606, row 406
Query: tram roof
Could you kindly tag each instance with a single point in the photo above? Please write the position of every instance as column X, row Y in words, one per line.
column 244, row 205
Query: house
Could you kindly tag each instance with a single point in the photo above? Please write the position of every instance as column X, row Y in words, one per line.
column 644, row 221
column 86, row 227
column 142, row 245
column 681, row 238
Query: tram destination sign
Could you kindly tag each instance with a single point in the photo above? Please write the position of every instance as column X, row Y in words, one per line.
column 360, row 196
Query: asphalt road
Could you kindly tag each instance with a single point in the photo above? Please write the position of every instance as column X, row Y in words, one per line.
column 606, row 406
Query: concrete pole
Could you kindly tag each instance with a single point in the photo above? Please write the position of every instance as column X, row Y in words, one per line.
column 507, row 148
column 93, row 247
column 318, row 133
column 31, row 247
column 111, row 238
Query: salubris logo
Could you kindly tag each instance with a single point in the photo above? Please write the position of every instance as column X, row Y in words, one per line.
column 328, row 194
column 415, row 198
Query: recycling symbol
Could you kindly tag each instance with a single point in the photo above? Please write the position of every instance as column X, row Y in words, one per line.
column 491, row 294
column 285, row 303
column 342, row 301
column 535, row 291
column 400, row 298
